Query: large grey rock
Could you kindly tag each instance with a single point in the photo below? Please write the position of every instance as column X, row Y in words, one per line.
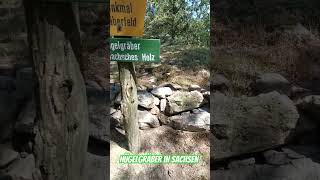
column 250, row 124
column 26, row 118
column 97, row 167
column 155, row 111
column 7, row 155
column 146, row 99
column 162, row 92
column 310, row 105
column 271, row 82
column 199, row 121
column 99, row 123
column 183, row 101
column 194, row 87
column 147, row 120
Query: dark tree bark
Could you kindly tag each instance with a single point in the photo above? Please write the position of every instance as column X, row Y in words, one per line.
column 129, row 104
column 62, row 116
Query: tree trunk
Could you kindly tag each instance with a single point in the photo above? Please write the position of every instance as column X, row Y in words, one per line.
column 129, row 104
column 62, row 116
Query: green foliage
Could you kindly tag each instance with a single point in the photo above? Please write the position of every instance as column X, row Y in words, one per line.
column 179, row 22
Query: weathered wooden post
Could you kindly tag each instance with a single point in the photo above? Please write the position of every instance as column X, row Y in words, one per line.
column 129, row 104
column 62, row 115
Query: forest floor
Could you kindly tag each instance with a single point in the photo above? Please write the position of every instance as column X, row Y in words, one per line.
column 164, row 140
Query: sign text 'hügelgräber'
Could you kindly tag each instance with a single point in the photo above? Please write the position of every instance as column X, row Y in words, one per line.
column 134, row 50
column 127, row 17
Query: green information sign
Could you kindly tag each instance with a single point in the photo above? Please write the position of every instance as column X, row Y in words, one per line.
column 134, row 50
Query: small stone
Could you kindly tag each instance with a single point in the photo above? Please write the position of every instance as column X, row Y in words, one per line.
column 155, row 110
column 147, row 120
column 194, row 87
column 163, row 119
column 206, row 94
column 163, row 104
column 112, row 110
column 162, row 92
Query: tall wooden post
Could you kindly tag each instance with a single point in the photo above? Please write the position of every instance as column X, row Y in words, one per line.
column 62, row 112
column 129, row 104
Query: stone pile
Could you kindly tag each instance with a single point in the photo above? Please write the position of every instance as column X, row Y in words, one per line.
column 166, row 105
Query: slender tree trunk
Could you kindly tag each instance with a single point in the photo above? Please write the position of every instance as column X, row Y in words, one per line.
column 62, row 116
column 129, row 104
